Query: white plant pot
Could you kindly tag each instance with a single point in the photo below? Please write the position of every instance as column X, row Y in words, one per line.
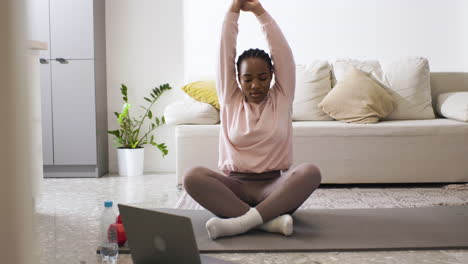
column 131, row 161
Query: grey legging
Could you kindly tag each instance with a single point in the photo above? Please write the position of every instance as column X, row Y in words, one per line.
column 271, row 193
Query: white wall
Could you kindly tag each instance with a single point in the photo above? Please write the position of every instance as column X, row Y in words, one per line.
column 147, row 40
column 144, row 49
column 338, row 28
column 463, row 22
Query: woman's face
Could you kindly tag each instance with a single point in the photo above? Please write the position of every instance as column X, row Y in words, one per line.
column 254, row 78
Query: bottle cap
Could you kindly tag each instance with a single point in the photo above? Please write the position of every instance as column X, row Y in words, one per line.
column 108, row 204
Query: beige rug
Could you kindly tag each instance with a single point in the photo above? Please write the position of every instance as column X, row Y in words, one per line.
column 371, row 197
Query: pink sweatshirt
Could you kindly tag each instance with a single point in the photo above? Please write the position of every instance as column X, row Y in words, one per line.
column 255, row 138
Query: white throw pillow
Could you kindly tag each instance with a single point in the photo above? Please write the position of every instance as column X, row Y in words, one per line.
column 342, row 66
column 410, row 86
column 189, row 111
column 453, row 105
column 312, row 85
column 406, row 79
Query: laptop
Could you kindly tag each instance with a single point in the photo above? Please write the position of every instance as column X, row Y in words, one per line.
column 157, row 237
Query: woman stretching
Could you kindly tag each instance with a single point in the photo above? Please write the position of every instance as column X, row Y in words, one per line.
column 255, row 144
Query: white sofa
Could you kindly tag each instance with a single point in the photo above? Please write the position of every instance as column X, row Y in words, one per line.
column 396, row 151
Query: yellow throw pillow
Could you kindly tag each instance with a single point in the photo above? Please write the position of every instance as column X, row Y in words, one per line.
column 203, row 91
column 357, row 99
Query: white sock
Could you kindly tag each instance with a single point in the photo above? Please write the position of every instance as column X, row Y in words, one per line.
column 282, row 224
column 218, row 227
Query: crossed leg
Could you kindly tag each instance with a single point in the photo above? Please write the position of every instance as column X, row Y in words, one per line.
column 231, row 198
column 225, row 197
column 288, row 192
column 221, row 195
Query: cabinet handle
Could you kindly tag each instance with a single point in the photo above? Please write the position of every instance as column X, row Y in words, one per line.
column 43, row 61
column 62, row 60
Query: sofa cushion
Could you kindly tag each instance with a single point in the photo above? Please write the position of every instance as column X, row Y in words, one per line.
column 409, row 83
column 438, row 126
column 372, row 67
column 203, row 91
column 397, row 128
column 312, row 85
column 406, row 79
column 453, row 105
column 357, row 99
column 190, row 112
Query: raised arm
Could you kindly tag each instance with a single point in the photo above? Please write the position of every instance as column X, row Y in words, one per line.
column 281, row 53
column 226, row 83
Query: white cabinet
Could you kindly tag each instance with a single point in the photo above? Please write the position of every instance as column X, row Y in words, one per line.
column 74, row 112
column 73, row 86
column 71, row 29
column 46, row 110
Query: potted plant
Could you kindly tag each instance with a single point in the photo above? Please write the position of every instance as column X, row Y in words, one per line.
column 127, row 139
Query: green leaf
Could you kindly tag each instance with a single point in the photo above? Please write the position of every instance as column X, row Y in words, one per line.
column 124, row 113
column 135, row 144
column 123, row 89
column 114, row 132
column 165, row 87
column 161, row 147
column 130, row 127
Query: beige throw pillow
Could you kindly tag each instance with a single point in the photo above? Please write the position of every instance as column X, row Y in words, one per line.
column 357, row 99
column 406, row 79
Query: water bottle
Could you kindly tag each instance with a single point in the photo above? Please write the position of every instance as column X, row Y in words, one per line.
column 109, row 242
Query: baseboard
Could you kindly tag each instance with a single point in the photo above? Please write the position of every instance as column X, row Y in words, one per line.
column 71, row 171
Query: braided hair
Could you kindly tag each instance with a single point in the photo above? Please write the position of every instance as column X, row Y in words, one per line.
column 255, row 53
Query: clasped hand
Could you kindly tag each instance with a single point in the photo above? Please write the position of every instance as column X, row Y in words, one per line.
column 253, row 6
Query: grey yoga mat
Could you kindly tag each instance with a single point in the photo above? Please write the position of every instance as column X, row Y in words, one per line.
column 439, row 227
